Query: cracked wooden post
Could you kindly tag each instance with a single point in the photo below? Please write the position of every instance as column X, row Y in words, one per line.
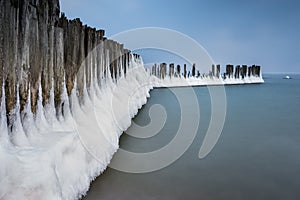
column 9, row 53
column 58, row 69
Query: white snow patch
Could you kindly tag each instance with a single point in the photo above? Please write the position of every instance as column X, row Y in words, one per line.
column 202, row 81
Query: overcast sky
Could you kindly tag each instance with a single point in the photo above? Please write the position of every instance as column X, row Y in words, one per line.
column 259, row 32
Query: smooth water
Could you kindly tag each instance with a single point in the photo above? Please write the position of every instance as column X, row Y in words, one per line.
column 256, row 157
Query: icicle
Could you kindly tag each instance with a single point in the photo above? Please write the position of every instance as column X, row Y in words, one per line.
column 86, row 93
column 101, row 71
column 65, row 111
column 4, row 139
column 18, row 136
column 93, row 68
column 28, row 119
column 40, row 119
column 50, row 112
column 95, row 79
column 75, row 106
column 108, row 78
column 122, row 66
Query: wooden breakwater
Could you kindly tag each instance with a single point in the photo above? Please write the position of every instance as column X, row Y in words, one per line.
column 41, row 48
column 162, row 71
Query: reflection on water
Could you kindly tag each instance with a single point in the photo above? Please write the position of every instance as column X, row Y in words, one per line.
column 257, row 156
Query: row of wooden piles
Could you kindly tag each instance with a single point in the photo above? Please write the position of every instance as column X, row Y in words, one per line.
column 162, row 71
column 41, row 48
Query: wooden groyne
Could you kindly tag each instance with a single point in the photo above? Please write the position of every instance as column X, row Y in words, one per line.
column 41, row 48
column 236, row 72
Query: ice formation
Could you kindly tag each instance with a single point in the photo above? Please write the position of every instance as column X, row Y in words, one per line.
column 203, row 81
column 50, row 157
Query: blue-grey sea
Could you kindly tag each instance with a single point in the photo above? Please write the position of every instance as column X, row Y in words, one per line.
column 257, row 156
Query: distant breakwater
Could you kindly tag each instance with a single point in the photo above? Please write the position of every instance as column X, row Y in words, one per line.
column 237, row 72
column 41, row 49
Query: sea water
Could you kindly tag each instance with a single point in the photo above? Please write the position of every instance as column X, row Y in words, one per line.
column 256, row 156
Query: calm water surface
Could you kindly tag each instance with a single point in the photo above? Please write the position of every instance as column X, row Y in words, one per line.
column 256, row 157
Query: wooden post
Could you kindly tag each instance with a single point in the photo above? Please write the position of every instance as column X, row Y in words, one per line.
column 244, row 71
column 218, row 71
column 258, row 71
column 227, row 73
column 178, row 70
column 237, row 72
column 154, row 70
column 253, row 70
column 163, row 70
column 194, row 70
column 171, row 70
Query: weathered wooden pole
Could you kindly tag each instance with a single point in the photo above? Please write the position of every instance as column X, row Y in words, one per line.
column 171, row 70
column 253, row 70
column 58, row 68
column 194, row 70
column 249, row 71
column 257, row 68
column 244, row 71
column 227, row 73
column 178, row 70
column 237, row 72
column 154, row 70
column 218, row 71
column 163, row 70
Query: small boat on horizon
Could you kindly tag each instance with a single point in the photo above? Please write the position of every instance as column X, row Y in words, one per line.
column 287, row 77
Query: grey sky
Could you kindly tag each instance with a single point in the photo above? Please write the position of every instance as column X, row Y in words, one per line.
column 238, row 32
